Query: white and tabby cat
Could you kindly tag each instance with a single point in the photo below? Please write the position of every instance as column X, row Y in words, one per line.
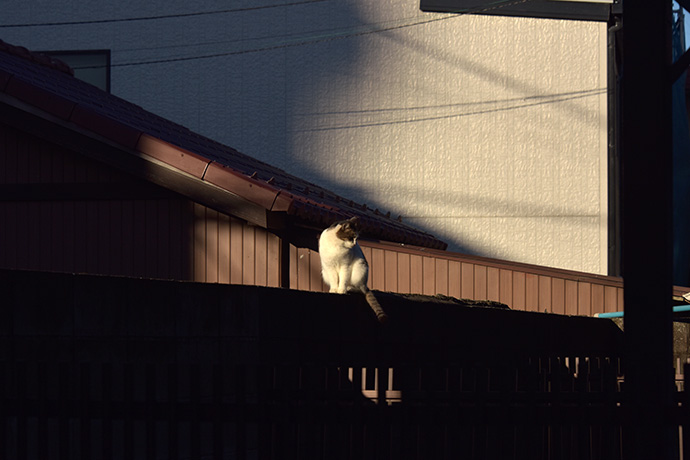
column 343, row 265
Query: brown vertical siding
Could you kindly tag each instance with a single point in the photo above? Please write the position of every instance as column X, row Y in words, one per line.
column 391, row 272
column 416, row 269
column 199, row 236
column 227, row 250
column 260, row 259
column 558, row 295
column 140, row 238
column 404, row 269
column 467, row 280
column 428, row 276
column 155, row 233
column 611, row 302
column 597, row 298
column 480, row 282
column 273, row 245
column 506, row 286
column 584, row 298
column 570, row 297
column 377, row 272
column 531, row 292
column 302, row 278
column 159, row 234
column 545, row 293
column 455, row 279
column 493, row 283
column 409, row 270
column 521, row 286
column 518, row 290
column 223, row 248
column 235, row 257
column 441, row 274
column 248, row 256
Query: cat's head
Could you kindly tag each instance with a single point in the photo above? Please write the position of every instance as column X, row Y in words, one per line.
column 348, row 230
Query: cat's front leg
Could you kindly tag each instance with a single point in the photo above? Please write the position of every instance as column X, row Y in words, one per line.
column 330, row 276
column 343, row 280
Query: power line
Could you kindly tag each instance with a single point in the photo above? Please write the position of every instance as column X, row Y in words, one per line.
column 299, row 41
column 531, row 100
column 319, row 38
column 284, row 37
column 150, row 18
column 282, row 45
column 526, row 102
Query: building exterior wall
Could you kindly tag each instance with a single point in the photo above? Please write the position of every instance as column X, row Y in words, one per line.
column 489, row 132
column 407, row 270
column 79, row 216
column 62, row 212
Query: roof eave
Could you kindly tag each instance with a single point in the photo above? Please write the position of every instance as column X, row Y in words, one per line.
column 218, row 185
column 180, row 178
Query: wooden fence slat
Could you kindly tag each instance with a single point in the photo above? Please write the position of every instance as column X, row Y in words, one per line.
column 291, row 387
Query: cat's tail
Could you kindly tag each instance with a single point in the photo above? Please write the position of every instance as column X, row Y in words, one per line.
column 375, row 305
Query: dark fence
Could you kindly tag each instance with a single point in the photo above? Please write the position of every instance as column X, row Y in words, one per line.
column 115, row 368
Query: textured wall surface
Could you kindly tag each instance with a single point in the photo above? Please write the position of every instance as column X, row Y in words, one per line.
column 489, row 132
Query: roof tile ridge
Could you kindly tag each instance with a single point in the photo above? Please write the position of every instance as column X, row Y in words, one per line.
column 39, row 58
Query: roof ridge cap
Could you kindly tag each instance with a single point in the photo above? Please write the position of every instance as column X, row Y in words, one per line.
column 39, row 58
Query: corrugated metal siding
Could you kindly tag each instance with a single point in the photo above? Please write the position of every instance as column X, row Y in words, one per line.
column 227, row 250
column 154, row 234
column 104, row 237
column 158, row 234
column 305, row 270
column 168, row 239
column 522, row 287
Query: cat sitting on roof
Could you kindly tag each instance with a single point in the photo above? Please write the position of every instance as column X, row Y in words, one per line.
column 343, row 265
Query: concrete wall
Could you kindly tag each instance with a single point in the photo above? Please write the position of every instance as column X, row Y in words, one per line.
column 489, row 132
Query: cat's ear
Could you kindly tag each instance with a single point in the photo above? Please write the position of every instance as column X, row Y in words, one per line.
column 355, row 222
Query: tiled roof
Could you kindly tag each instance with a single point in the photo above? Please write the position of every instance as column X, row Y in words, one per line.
column 48, row 84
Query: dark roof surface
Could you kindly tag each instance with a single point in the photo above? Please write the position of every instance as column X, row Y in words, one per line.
column 49, row 85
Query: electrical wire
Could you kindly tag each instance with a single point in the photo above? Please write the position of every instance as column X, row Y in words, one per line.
column 300, row 41
column 516, row 101
column 349, row 31
column 150, row 18
column 514, row 104
column 322, row 37
column 294, row 36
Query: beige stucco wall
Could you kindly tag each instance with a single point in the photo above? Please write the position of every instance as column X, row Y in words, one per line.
column 489, row 132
